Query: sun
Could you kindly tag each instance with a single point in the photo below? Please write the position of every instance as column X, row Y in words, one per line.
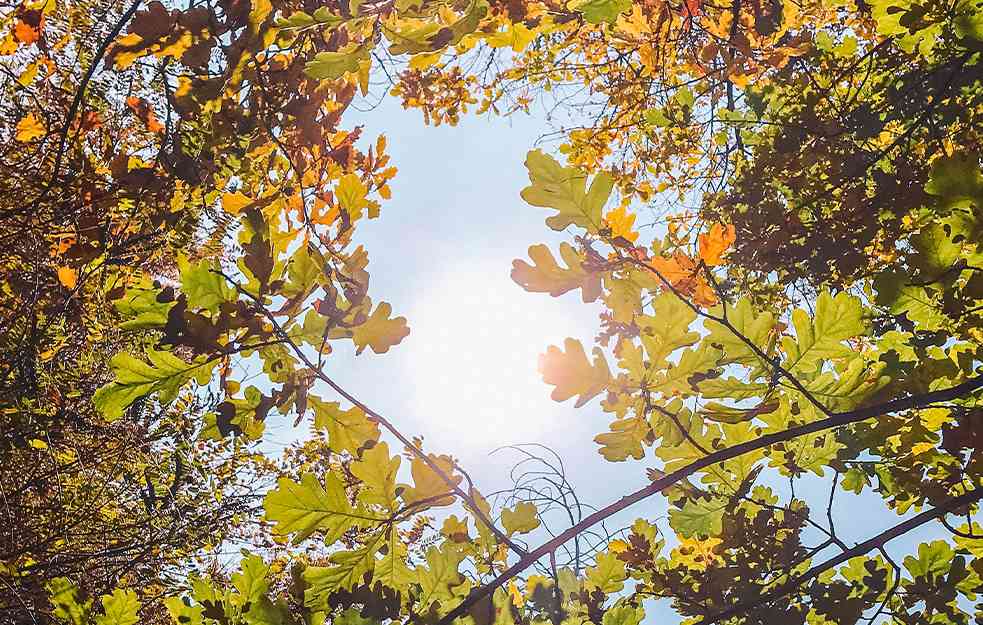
column 476, row 338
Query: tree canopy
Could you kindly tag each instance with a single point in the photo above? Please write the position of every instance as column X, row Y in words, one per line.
column 777, row 204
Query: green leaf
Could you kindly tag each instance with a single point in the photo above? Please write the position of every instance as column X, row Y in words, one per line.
column 756, row 327
column 119, row 608
column 308, row 506
column 435, row 36
column 896, row 292
column 377, row 472
column 623, row 615
column 854, row 480
column 392, row 569
column 807, row 453
column 303, row 273
column 440, row 574
column 521, row 519
column 956, row 180
column 142, row 309
column 933, row 559
column 572, row 374
column 182, row 612
column 937, row 252
column 667, row 429
column 685, row 97
column 692, row 361
column 203, row 287
column 67, row 601
column 836, row 319
column 547, row 276
column 333, row 65
column 299, row 20
column 657, row 117
column 667, row 329
column 625, row 439
column 602, row 11
column 698, row 517
column 346, row 569
column 608, row 573
column 250, row 581
column 348, row 430
column 563, row 189
column 969, row 19
column 732, row 388
column 164, row 375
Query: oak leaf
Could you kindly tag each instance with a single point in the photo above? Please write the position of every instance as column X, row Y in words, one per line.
column 545, row 275
column 714, row 243
column 565, row 190
column 302, row 508
column 521, row 519
column 572, row 373
column 379, row 331
column 428, row 484
column 620, row 222
column 29, row 128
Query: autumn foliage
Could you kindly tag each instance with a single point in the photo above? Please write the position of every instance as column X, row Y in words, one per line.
column 777, row 204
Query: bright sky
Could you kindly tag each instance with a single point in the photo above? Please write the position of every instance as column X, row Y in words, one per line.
column 465, row 378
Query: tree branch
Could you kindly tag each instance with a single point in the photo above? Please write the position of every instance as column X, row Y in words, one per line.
column 466, row 497
column 670, row 479
column 858, row 550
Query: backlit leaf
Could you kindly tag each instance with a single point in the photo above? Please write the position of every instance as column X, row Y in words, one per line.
column 379, row 331
column 572, row 373
column 564, row 189
column 547, row 276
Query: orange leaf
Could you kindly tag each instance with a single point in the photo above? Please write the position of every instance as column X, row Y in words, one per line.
column 25, row 33
column 716, row 242
column 676, row 268
column 30, row 128
column 233, row 203
column 91, row 120
column 146, row 114
column 67, row 276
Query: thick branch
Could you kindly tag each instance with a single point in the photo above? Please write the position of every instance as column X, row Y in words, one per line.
column 868, row 545
column 670, row 479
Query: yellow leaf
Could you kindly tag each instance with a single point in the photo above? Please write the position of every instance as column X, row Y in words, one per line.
column 30, row 128
column 177, row 48
column 428, row 484
column 620, row 222
column 520, row 520
column 716, row 242
column 348, row 430
column 379, row 331
column 517, row 599
column 29, row 74
column 8, row 45
column 233, row 203
column 617, row 546
column 67, row 276
column 423, row 61
column 351, row 192
column 364, row 67
column 572, row 374
column 696, row 554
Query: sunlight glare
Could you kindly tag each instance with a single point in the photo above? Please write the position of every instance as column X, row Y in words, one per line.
column 476, row 340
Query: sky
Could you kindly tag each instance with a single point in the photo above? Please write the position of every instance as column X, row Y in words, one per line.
column 465, row 378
